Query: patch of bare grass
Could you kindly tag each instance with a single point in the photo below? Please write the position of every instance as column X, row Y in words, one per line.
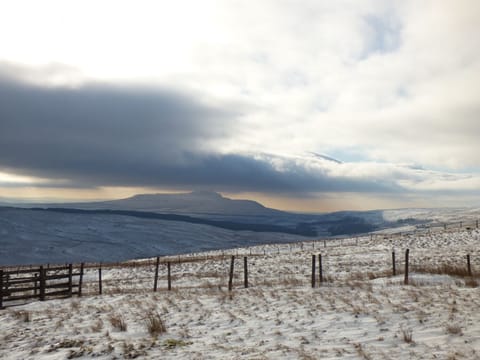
column 454, row 329
column 173, row 343
column 361, row 351
column 471, row 282
column 23, row 315
column 443, row 269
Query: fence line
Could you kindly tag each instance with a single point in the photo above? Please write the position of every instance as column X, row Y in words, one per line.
column 48, row 284
column 54, row 281
column 332, row 241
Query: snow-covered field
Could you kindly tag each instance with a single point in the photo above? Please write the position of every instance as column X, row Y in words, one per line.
column 36, row 237
column 359, row 312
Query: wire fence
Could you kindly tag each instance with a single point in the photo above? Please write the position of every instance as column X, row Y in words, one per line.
column 338, row 261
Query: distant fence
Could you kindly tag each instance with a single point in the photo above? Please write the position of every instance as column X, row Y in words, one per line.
column 21, row 284
column 40, row 283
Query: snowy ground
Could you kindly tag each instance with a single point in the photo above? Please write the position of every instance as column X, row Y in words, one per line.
column 33, row 237
column 359, row 312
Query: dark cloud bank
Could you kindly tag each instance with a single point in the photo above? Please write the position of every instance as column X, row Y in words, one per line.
column 105, row 135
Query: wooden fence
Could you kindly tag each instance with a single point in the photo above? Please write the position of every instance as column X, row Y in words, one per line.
column 46, row 282
column 42, row 283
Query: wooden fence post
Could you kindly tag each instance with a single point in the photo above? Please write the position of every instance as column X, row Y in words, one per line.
column 230, row 278
column 476, row 224
column 80, row 280
column 6, row 283
column 70, row 282
column 469, row 266
column 169, row 276
column 35, row 290
column 406, row 267
column 100, row 279
column 245, row 272
column 42, row 283
column 394, row 271
column 320, row 269
column 313, row 271
column 1, row 289
column 155, row 282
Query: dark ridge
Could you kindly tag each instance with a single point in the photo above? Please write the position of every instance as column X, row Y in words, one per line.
column 302, row 229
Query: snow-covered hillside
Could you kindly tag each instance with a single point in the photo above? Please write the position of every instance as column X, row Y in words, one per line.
column 37, row 237
column 359, row 312
column 33, row 237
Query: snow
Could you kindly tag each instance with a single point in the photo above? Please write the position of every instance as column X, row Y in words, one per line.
column 434, row 214
column 32, row 237
column 360, row 312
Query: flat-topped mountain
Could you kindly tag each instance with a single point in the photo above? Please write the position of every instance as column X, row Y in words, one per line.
column 196, row 202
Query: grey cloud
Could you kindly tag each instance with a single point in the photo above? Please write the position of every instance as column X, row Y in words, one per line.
column 104, row 135
column 237, row 172
column 101, row 126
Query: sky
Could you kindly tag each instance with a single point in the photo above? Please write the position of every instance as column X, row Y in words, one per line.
column 302, row 105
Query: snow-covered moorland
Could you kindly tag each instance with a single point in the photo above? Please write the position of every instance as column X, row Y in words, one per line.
column 360, row 311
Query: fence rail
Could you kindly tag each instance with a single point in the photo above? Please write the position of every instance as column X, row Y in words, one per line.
column 44, row 282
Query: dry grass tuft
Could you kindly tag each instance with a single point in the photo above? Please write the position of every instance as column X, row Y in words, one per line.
column 97, row 326
column 407, row 335
column 22, row 315
column 471, row 282
column 155, row 324
column 454, row 329
column 132, row 352
column 173, row 343
column 443, row 269
column 118, row 322
column 361, row 351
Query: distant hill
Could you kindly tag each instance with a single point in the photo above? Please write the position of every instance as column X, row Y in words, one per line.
column 213, row 209
column 197, row 202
